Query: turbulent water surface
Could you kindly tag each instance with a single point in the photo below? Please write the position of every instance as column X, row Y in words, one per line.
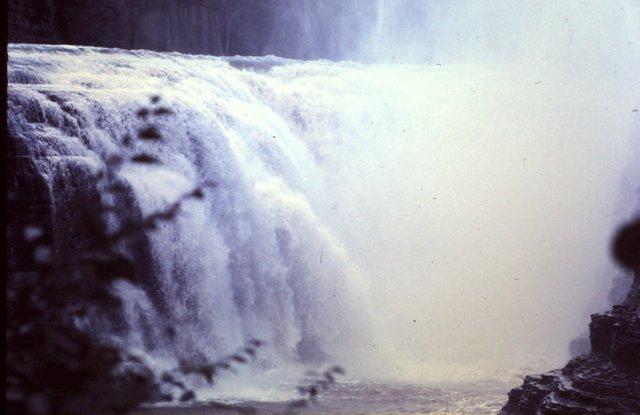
column 375, row 398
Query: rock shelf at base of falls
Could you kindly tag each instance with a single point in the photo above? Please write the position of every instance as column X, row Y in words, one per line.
column 605, row 381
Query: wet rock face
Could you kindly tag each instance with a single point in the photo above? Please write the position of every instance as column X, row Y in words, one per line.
column 31, row 21
column 605, row 381
column 213, row 27
column 300, row 29
column 108, row 23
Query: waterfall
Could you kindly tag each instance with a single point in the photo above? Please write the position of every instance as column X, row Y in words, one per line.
column 254, row 260
column 380, row 17
column 444, row 220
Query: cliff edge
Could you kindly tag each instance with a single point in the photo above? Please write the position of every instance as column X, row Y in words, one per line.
column 605, row 381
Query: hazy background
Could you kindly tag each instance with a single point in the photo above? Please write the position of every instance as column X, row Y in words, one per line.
column 481, row 197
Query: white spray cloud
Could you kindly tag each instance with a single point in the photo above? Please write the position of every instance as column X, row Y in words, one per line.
column 477, row 196
column 489, row 186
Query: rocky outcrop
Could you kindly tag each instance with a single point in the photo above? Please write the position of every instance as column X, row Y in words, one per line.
column 190, row 26
column 303, row 29
column 606, row 381
column 31, row 21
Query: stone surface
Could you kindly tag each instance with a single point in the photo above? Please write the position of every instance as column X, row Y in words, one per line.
column 605, row 381
column 191, row 26
column 303, row 29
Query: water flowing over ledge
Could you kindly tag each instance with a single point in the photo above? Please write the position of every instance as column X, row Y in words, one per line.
column 361, row 210
column 254, row 260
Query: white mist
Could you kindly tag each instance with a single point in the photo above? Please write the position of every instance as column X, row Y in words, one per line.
column 474, row 191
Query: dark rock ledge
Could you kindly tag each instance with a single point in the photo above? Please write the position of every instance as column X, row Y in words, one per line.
column 606, row 381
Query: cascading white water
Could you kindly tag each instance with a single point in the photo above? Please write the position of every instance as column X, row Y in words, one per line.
column 431, row 221
column 253, row 260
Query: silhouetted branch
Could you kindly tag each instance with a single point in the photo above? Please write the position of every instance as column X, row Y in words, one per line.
column 310, row 392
